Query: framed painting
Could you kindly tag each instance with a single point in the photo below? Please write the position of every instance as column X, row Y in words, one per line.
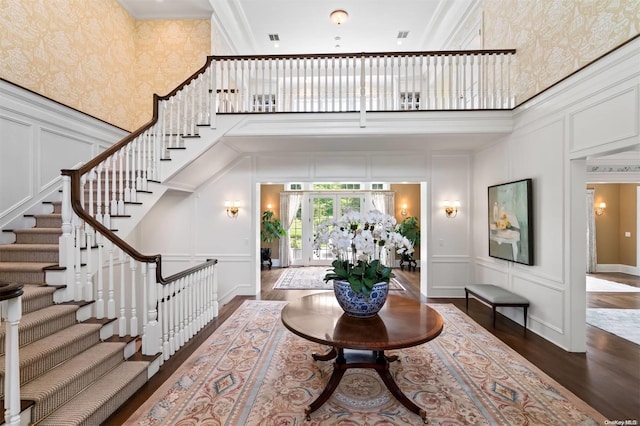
column 511, row 221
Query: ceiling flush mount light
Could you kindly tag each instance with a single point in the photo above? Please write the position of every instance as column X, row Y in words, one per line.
column 601, row 209
column 451, row 208
column 339, row 16
column 232, row 208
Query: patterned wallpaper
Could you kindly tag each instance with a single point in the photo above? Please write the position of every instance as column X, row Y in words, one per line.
column 73, row 51
column 553, row 38
column 167, row 53
column 93, row 56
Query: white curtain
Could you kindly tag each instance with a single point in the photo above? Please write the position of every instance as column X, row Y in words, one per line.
column 289, row 205
column 591, row 233
column 385, row 203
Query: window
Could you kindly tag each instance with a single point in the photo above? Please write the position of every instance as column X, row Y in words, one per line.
column 378, row 186
column 264, row 103
column 409, row 101
column 295, row 187
column 336, row 186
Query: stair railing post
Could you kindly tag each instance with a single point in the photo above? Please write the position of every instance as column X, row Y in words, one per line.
column 151, row 339
column 12, row 363
column 66, row 239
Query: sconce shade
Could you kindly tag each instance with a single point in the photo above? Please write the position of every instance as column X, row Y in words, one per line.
column 232, row 208
column 403, row 210
column 601, row 209
column 451, row 209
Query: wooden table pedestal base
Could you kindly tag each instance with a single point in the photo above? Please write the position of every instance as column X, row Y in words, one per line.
column 348, row 358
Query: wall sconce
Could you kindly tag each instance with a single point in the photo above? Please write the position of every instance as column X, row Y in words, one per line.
column 269, row 206
column 232, row 208
column 403, row 211
column 601, row 208
column 451, row 209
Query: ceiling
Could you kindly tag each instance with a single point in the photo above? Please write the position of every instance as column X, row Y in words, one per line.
column 303, row 26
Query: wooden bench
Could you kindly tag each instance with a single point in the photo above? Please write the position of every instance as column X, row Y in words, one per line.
column 496, row 296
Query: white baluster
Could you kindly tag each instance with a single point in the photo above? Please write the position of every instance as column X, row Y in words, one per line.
column 77, row 288
column 214, row 277
column 172, row 317
column 88, row 285
column 122, row 320
column 66, row 239
column 114, row 185
column 212, row 99
column 106, row 216
column 165, row 323
column 111, row 302
column 120, row 209
column 181, row 301
column 100, row 278
column 127, row 174
column 98, row 216
column 133, row 264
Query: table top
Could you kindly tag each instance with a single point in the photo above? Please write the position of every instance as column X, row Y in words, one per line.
column 401, row 323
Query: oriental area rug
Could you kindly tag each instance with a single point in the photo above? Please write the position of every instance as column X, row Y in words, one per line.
column 253, row 371
column 311, row 278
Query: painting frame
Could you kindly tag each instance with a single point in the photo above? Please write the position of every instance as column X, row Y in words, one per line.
column 510, row 221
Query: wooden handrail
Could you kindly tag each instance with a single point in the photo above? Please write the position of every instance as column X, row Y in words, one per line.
column 10, row 290
column 367, row 54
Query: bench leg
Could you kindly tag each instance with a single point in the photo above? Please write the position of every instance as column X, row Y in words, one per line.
column 525, row 319
column 494, row 315
column 466, row 299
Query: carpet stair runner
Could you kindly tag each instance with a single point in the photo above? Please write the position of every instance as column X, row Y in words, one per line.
column 62, row 361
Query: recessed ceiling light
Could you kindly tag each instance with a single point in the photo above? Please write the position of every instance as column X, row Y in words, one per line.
column 276, row 45
column 399, row 42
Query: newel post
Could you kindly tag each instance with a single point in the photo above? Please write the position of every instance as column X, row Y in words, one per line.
column 151, row 338
column 12, row 363
column 66, row 242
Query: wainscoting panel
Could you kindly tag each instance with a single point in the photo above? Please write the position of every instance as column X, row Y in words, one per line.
column 16, row 150
column 606, row 120
column 55, row 148
column 449, row 276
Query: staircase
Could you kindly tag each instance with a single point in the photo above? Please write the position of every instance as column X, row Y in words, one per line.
column 64, row 354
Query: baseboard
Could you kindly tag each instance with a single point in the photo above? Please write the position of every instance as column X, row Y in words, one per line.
column 625, row 269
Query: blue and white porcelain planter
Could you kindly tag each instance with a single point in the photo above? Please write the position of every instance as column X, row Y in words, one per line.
column 358, row 305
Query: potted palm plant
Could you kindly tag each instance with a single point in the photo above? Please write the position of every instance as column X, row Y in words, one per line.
column 271, row 229
column 410, row 229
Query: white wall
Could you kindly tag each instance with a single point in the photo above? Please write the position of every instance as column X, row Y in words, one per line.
column 38, row 138
column 594, row 112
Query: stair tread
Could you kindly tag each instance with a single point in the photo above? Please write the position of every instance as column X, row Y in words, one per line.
column 30, row 247
column 38, row 230
column 25, row 266
column 42, row 316
column 102, row 390
column 65, row 381
column 45, row 346
column 31, row 291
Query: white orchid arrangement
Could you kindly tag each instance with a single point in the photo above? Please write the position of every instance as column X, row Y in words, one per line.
column 357, row 240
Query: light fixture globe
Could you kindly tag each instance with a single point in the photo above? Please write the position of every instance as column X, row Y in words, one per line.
column 339, row 16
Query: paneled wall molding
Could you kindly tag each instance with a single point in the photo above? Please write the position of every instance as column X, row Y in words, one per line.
column 39, row 137
column 441, row 258
column 538, row 279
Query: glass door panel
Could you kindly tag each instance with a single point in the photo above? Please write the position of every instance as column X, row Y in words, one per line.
column 322, row 209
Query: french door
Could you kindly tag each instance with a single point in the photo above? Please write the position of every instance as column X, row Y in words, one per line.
column 321, row 208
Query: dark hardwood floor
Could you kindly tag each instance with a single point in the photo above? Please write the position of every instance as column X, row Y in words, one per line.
column 607, row 376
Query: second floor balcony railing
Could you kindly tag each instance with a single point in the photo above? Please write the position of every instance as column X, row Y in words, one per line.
column 446, row 80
